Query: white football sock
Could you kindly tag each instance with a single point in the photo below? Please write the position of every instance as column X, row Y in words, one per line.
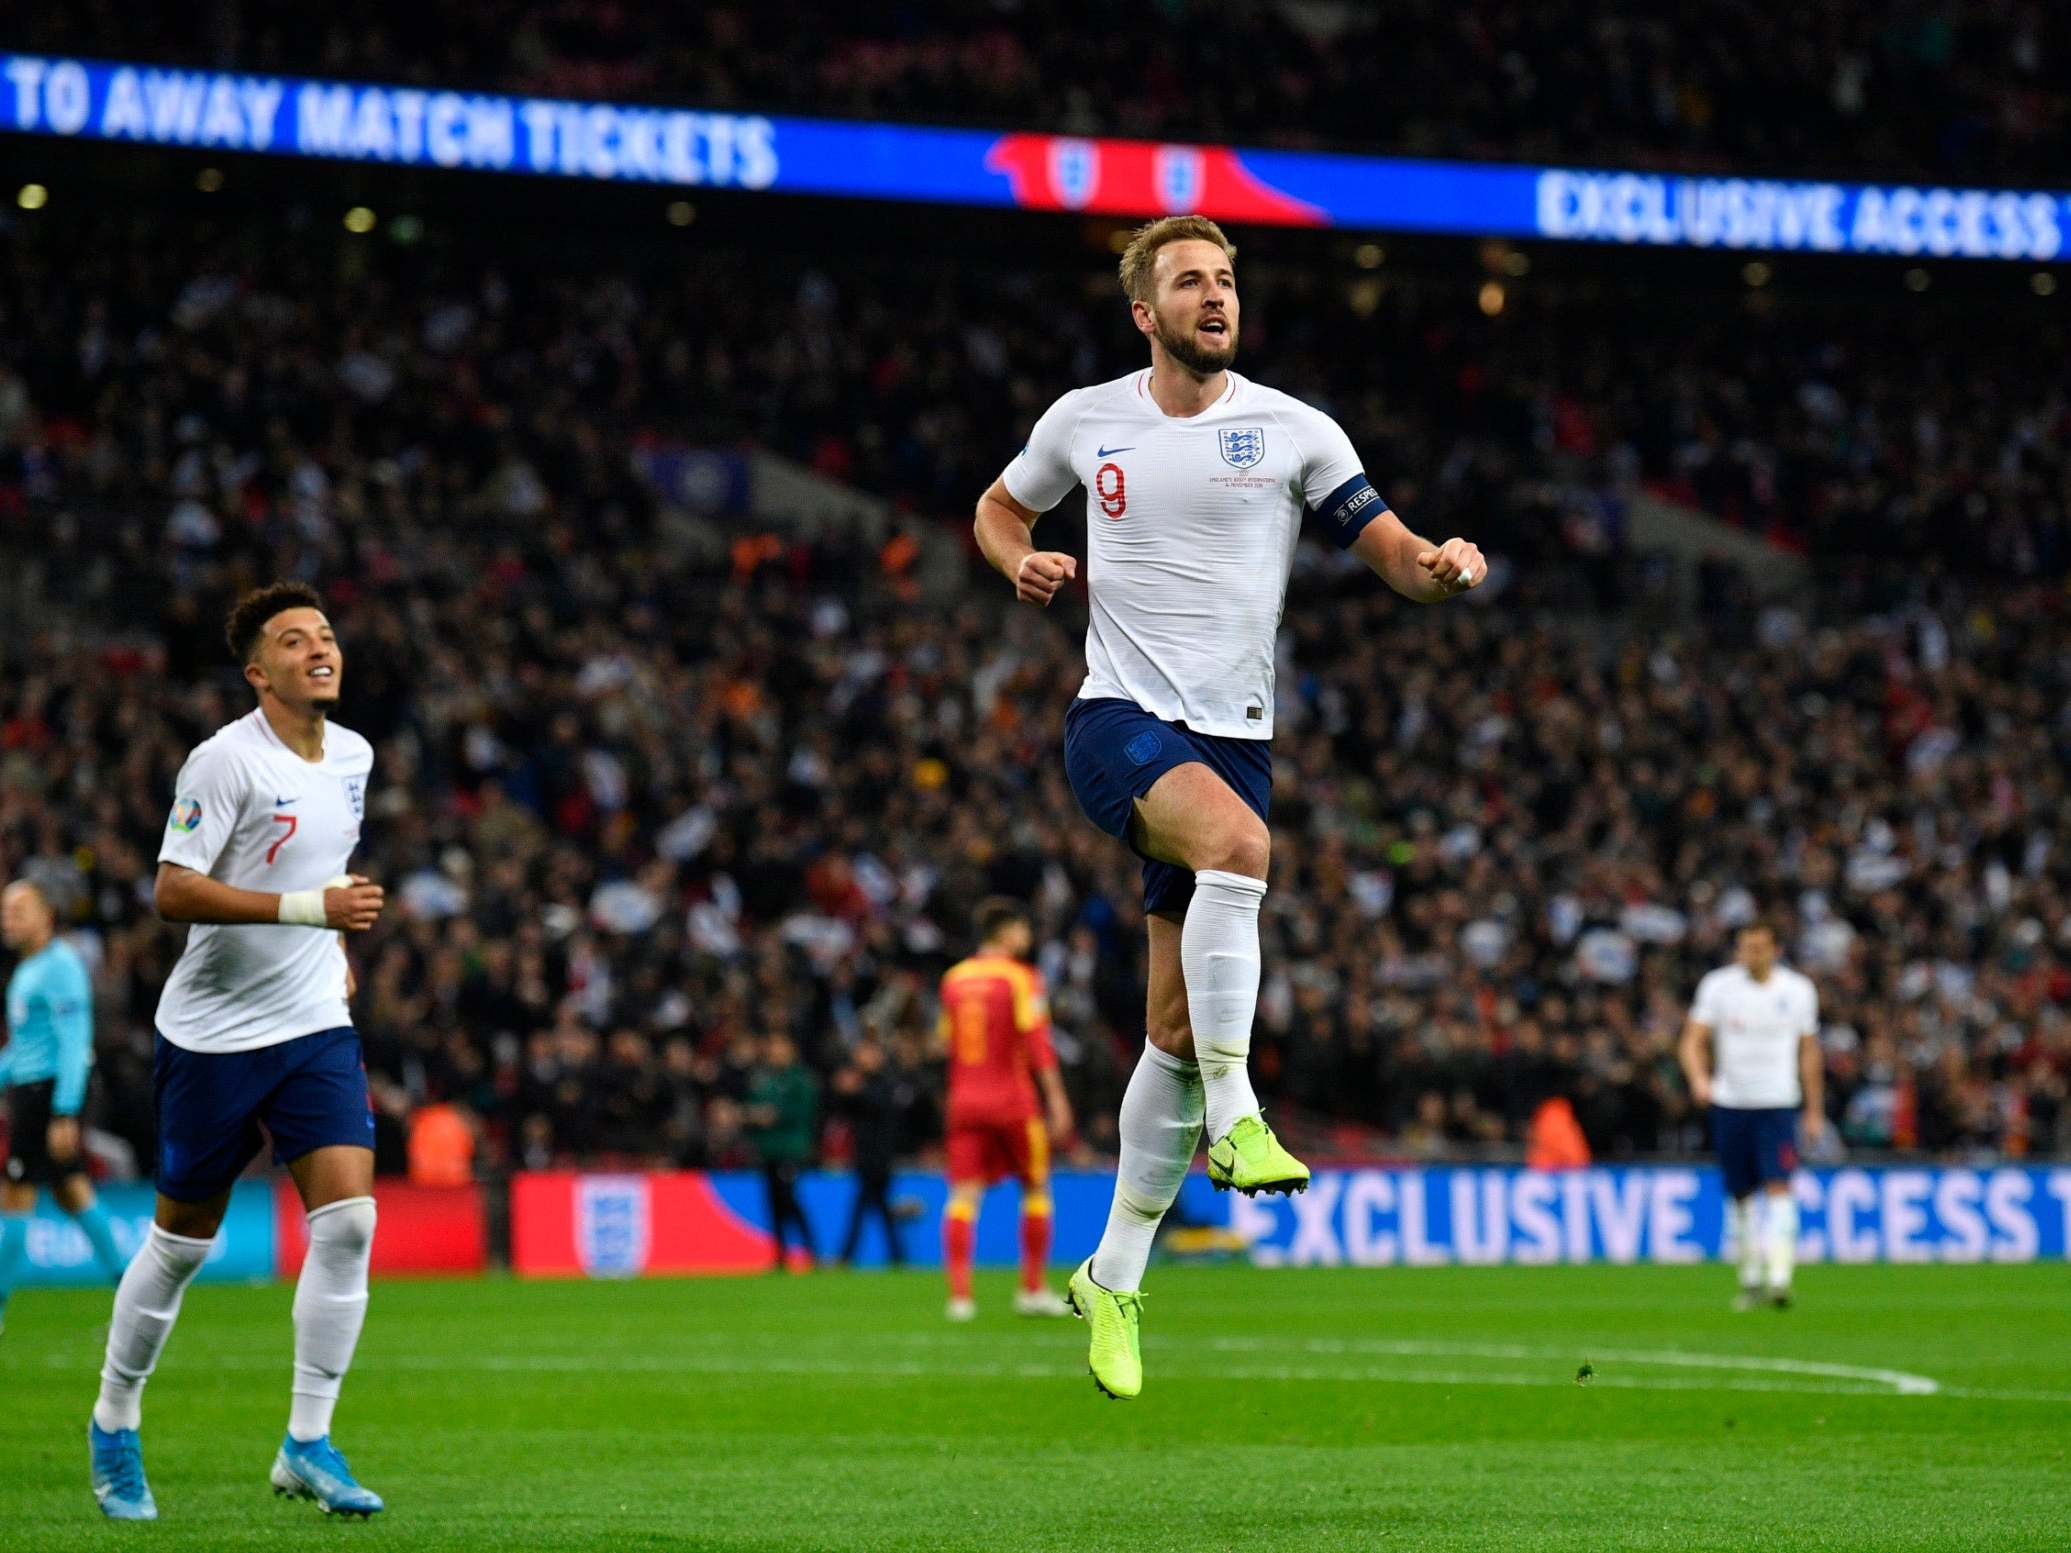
column 330, row 1307
column 1160, row 1129
column 1218, row 955
column 147, row 1303
column 1747, row 1239
column 1782, row 1227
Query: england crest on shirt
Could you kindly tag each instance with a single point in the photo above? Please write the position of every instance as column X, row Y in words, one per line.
column 1242, row 446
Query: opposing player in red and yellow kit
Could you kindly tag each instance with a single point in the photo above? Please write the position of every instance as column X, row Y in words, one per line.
column 995, row 1028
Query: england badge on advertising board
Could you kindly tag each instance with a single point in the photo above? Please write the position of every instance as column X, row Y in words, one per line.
column 611, row 1225
column 1074, row 172
column 1178, row 173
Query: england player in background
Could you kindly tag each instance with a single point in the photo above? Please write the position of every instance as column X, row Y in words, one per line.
column 1751, row 1053
column 1196, row 483
column 43, row 1072
column 253, row 1028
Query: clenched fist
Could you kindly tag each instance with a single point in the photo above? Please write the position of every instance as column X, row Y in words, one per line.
column 1455, row 566
column 1042, row 573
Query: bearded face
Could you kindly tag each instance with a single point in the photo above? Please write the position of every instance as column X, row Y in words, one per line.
column 1202, row 339
column 1192, row 309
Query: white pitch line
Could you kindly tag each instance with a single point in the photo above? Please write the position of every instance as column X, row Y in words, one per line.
column 910, row 1369
column 1900, row 1381
column 1789, row 1376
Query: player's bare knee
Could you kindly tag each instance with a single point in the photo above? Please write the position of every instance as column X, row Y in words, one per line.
column 190, row 1220
column 1237, row 847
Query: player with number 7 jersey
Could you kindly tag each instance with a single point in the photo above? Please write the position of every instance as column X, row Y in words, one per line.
column 1197, row 483
column 255, row 1042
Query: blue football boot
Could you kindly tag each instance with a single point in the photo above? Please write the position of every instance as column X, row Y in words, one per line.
column 316, row 1471
column 118, row 1475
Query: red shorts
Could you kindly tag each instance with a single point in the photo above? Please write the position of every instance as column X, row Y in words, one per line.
column 986, row 1152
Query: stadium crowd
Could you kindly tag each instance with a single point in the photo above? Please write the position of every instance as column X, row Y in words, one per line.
column 651, row 810
column 1945, row 89
column 1847, row 429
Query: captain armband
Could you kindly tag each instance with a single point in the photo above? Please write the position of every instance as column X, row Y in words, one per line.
column 1348, row 509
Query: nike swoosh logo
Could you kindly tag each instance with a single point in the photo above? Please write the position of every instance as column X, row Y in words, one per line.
column 1111, row 452
column 282, row 803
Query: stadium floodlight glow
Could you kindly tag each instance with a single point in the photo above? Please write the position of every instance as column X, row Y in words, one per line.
column 1917, row 280
column 1492, row 298
column 1369, row 256
column 33, row 196
column 684, row 148
column 1756, row 273
column 209, row 180
column 359, row 219
column 2043, row 284
column 681, row 213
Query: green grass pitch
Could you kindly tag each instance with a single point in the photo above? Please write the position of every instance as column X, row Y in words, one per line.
column 1896, row 1408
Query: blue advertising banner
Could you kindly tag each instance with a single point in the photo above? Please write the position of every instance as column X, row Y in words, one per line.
column 682, row 148
column 1435, row 1216
column 59, row 1255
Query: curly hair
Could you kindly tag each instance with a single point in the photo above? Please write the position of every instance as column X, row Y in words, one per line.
column 246, row 627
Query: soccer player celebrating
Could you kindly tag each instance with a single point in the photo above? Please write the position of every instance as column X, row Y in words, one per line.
column 996, row 1027
column 43, row 1071
column 1196, row 482
column 1751, row 1052
column 253, row 1029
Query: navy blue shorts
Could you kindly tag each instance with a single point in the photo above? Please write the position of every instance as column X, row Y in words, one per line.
column 1114, row 751
column 309, row 1092
column 1755, row 1146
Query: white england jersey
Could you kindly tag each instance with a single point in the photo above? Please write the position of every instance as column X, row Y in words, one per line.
column 1755, row 1030
column 252, row 813
column 1191, row 524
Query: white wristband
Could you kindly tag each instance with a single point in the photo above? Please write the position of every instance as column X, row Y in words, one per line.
column 305, row 908
column 302, row 908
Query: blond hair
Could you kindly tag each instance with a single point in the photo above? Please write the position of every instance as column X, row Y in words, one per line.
column 1142, row 252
